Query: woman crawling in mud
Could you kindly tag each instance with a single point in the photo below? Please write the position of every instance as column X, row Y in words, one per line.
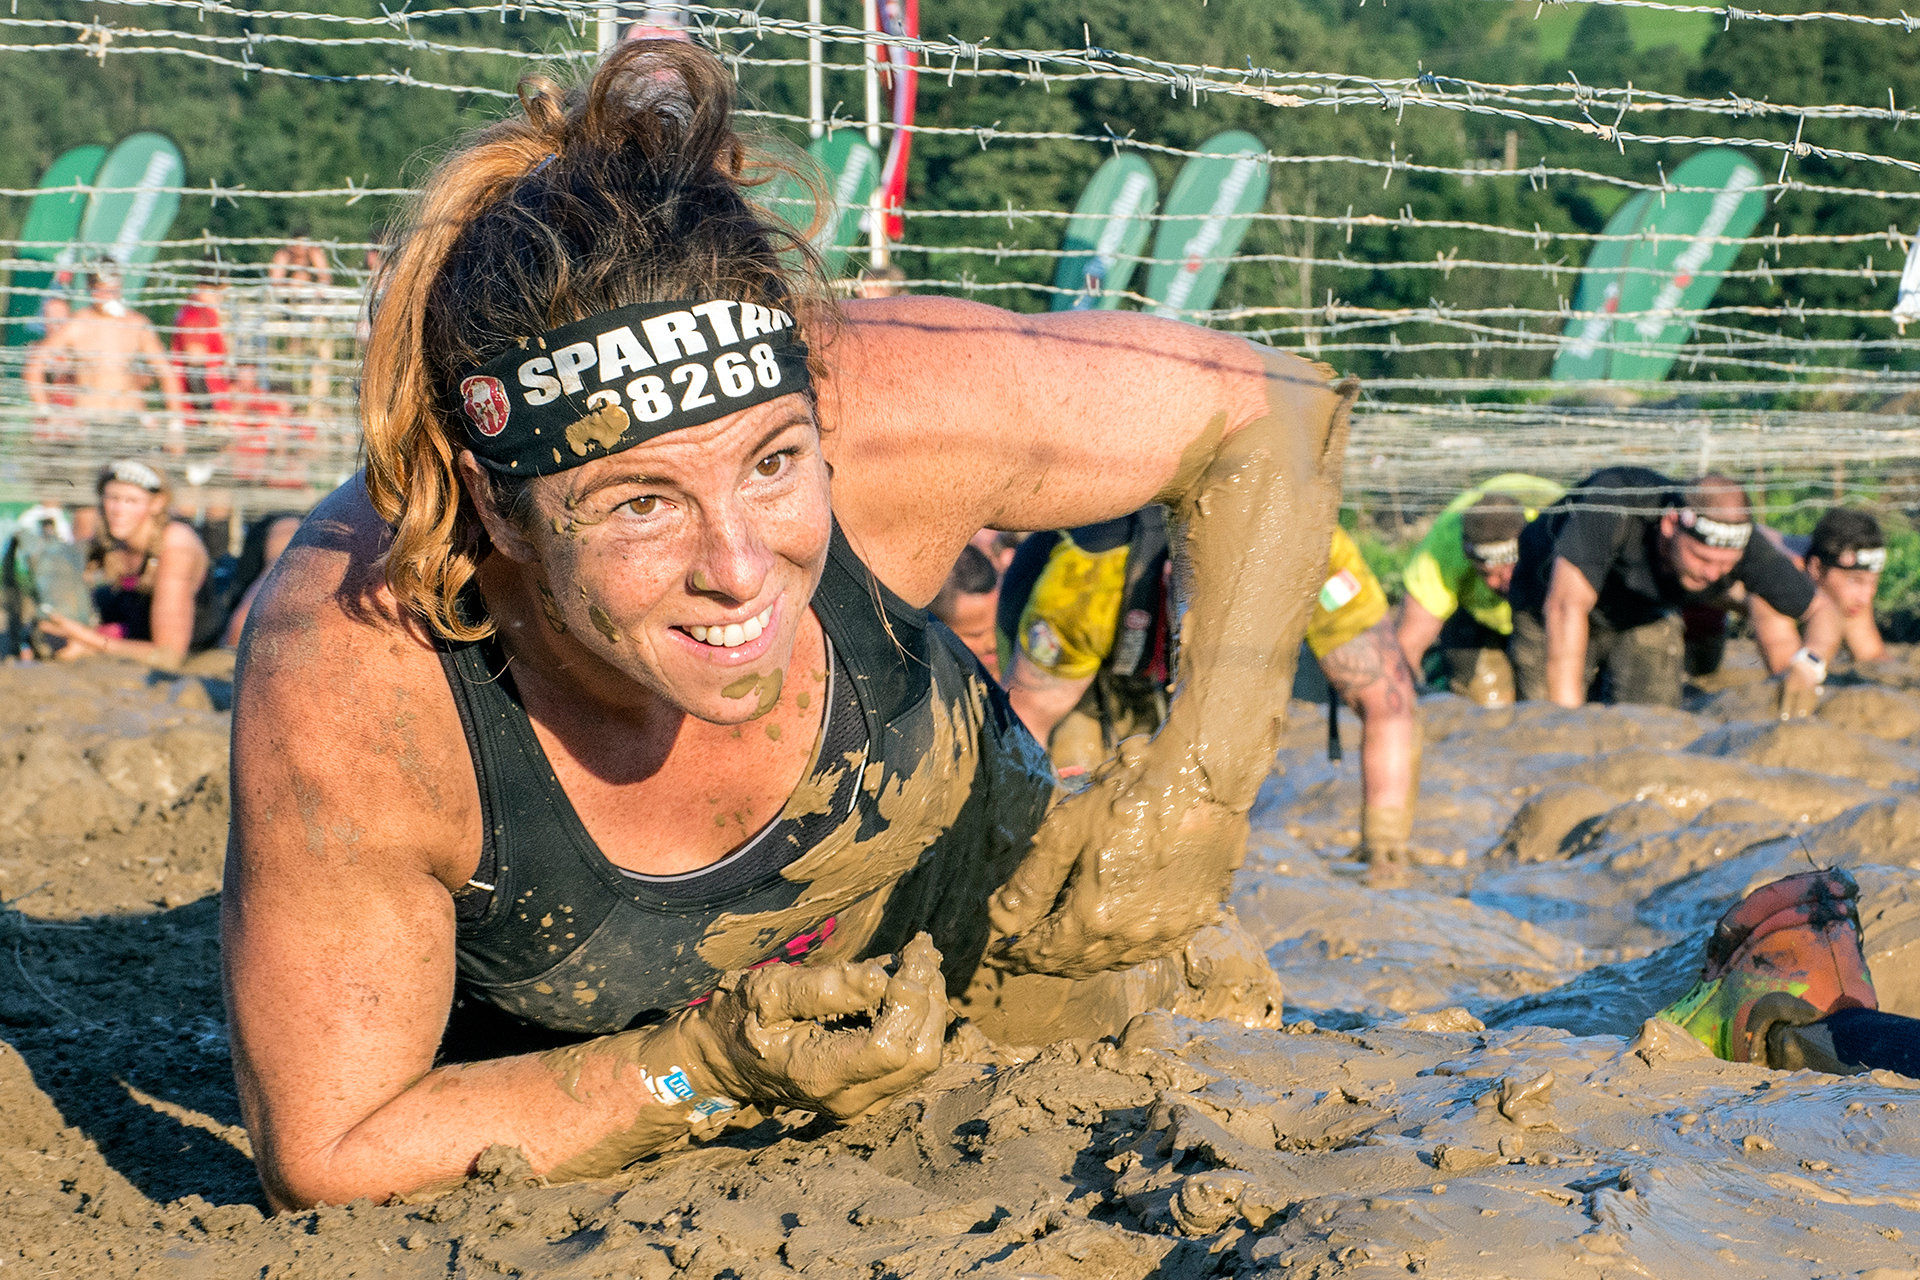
column 598, row 774
column 150, row 567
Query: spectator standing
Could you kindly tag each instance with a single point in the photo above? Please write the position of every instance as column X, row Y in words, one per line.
column 113, row 353
column 199, row 344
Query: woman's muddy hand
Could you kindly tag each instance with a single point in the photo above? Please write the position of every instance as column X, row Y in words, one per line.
column 1124, row 871
column 772, row 1036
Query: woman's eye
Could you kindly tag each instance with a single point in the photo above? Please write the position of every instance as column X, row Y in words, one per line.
column 771, row 465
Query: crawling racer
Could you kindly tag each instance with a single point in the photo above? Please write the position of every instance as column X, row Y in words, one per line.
column 610, row 686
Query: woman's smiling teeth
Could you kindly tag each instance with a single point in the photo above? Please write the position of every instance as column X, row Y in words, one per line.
column 734, row 634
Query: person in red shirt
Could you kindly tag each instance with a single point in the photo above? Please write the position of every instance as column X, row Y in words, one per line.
column 199, row 345
column 254, row 419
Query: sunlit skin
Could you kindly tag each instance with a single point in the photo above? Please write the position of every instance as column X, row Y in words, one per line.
column 1417, row 628
column 971, row 616
column 1695, row 566
column 356, row 808
column 704, row 526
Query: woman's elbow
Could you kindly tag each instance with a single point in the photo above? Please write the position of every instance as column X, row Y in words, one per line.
column 293, row 1183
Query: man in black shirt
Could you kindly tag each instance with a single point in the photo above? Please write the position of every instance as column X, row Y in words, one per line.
column 1604, row 573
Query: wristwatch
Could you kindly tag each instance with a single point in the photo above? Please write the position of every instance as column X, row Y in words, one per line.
column 1813, row 662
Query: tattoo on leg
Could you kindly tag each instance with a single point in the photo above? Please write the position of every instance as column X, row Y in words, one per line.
column 1373, row 656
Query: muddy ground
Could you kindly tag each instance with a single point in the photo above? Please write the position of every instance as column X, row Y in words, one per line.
column 1465, row 1087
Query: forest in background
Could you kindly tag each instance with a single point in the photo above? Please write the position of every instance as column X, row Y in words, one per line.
column 270, row 132
column 273, row 132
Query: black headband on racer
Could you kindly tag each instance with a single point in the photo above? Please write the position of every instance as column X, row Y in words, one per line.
column 623, row 377
column 1725, row 535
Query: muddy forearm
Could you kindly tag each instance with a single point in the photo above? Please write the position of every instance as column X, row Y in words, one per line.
column 1129, row 868
column 574, row 1112
column 1255, row 522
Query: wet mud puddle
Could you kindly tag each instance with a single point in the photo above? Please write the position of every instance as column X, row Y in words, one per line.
column 1465, row 1086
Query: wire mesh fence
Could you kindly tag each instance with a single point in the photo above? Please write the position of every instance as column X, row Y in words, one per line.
column 1802, row 376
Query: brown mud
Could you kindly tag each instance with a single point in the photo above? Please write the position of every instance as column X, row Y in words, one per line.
column 1466, row 1085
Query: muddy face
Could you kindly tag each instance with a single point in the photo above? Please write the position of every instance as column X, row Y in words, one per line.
column 687, row 563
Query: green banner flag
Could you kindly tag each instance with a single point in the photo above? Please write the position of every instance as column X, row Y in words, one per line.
column 135, row 207
column 1105, row 235
column 850, row 170
column 1644, row 287
column 1583, row 354
column 53, row 219
column 1207, row 215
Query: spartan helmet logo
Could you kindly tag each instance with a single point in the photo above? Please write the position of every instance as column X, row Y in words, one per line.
column 485, row 400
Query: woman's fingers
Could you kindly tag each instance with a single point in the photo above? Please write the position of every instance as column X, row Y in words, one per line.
column 916, row 1006
column 856, row 1071
column 1035, row 884
column 804, row 993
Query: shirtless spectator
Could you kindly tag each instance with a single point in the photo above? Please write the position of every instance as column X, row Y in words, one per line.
column 113, row 352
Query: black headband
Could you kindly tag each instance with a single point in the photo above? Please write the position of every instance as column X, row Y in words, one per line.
column 617, row 379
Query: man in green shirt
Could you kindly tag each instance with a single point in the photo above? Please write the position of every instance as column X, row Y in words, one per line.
column 1456, row 584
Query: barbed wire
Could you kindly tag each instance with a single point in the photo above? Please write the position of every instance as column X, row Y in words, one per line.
column 301, row 342
column 1730, row 14
column 1299, row 89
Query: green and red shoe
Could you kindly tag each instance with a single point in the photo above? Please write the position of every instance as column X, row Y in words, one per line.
column 1786, row 955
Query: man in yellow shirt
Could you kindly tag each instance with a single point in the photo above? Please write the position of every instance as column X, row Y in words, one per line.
column 1457, row 579
column 1086, row 612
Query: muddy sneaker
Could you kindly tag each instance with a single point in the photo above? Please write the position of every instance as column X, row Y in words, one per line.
column 1785, row 956
column 1385, row 832
column 1389, row 866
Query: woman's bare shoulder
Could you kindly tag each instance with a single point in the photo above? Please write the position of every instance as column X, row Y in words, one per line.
column 181, row 539
column 345, row 696
column 329, row 579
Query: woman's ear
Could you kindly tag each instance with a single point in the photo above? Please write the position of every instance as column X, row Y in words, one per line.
column 507, row 537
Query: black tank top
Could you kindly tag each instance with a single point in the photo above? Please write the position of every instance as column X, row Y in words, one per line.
column 555, row 943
